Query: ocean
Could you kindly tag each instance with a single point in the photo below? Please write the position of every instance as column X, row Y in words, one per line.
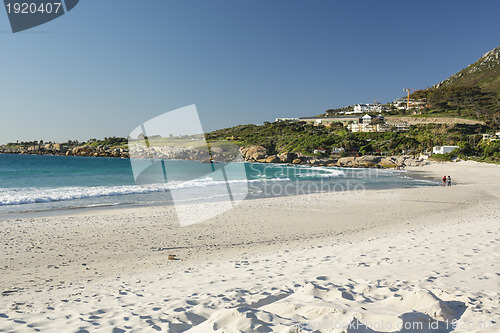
column 30, row 183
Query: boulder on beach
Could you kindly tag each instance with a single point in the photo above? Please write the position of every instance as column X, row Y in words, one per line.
column 286, row 157
column 346, row 162
column 59, row 147
column 254, row 153
column 387, row 162
column 297, row 161
column 366, row 161
column 83, row 150
column 273, row 159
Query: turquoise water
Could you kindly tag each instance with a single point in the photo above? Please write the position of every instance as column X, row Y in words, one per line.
column 32, row 182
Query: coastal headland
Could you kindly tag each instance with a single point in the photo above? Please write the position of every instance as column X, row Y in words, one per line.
column 249, row 154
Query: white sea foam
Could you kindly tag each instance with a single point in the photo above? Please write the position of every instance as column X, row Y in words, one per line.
column 31, row 195
column 320, row 172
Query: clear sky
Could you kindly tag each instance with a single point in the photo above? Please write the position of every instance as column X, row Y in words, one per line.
column 109, row 65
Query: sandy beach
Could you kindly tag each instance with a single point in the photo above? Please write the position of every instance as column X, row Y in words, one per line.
column 408, row 260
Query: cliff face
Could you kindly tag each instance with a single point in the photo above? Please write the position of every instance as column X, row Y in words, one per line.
column 484, row 73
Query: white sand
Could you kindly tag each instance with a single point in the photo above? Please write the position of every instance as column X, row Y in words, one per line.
column 357, row 262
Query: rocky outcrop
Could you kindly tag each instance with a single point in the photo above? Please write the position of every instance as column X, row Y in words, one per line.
column 249, row 154
column 474, row 74
column 345, row 162
column 99, row 151
column 254, row 153
column 48, row 149
column 286, row 157
column 229, row 154
column 60, row 149
column 367, row 161
column 387, row 162
column 259, row 154
column 273, row 159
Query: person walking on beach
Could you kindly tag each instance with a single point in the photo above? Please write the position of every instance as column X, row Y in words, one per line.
column 449, row 181
column 444, row 180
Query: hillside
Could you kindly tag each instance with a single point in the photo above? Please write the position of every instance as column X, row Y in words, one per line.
column 472, row 92
column 484, row 74
column 280, row 137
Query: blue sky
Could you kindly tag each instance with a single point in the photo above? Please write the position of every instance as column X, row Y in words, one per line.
column 109, row 65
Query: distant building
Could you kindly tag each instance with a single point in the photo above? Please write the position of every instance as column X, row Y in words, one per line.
column 319, row 150
column 286, row 119
column 369, row 123
column 443, row 149
column 366, row 108
column 400, row 127
column 337, row 152
column 326, row 121
column 492, row 137
column 402, row 104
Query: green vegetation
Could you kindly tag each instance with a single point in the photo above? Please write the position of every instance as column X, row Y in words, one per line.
column 465, row 102
column 111, row 141
column 473, row 92
column 442, row 157
column 304, row 138
column 334, row 112
column 484, row 74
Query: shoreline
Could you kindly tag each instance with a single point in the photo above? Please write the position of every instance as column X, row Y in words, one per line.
column 65, row 211
column 270, row 248
column 119, row 214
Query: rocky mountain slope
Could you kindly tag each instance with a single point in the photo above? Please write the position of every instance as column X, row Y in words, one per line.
column 484, row 73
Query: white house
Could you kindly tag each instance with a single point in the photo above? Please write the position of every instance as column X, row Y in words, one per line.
column 364, row 108
column 369, row 123
column 286, row 119
column 337, row 151
column 443, row 149
column 492, row 137
column 319, row 150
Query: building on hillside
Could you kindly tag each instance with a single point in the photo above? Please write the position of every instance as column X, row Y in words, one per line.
column 492, row 137
column 419, row 104
column 403, row 104
column 366, row 108
column 400, row 103
column 319, row 150
column 326, row 121
column 443, row 149
column 369, row 123
column 285, row 119
column 337, row 152
column 400, row 127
